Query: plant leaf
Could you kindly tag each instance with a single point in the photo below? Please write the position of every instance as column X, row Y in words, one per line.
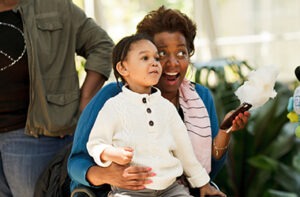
column 276, row 193
column 263, row 162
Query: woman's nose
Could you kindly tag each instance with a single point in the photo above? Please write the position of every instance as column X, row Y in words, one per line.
column 171, row 61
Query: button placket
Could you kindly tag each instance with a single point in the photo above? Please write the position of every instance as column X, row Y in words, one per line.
column 149, row 114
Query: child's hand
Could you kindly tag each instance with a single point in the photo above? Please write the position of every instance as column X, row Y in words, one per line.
column 210, row 190
column 122, row 155
column 125, row 155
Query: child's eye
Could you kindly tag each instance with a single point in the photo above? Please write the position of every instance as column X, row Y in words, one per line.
column 145, row 58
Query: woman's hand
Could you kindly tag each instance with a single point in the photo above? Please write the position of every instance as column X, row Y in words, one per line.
column 210, row 190
column 127, row 177
column 240, row 121
column 221, row 141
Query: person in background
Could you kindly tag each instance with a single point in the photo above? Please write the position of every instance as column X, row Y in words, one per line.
column 173, row 34
column 131, row 127
column 40, row 100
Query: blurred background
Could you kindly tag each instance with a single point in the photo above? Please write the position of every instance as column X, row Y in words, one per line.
column 263, row 32
column 235, row 37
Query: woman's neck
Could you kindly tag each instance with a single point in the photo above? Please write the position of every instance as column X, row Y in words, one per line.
column 172, row 97
column 6, row 5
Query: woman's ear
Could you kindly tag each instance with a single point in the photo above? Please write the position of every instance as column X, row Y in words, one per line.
column 122, row 69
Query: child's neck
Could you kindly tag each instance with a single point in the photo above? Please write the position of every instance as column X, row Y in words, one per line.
column 140, row 90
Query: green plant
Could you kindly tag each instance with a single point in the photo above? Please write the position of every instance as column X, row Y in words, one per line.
column 264, row 158
column 223, row 76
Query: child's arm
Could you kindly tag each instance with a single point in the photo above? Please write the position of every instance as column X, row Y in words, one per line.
column 120, row 156
column 100, row 142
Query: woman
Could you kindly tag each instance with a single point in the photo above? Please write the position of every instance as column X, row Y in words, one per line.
column 173, row 33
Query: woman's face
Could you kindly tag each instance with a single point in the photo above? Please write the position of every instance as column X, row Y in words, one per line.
column 174, row 58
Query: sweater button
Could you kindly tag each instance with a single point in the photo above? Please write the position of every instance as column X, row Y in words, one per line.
column 149, row 110
column 151, row 123
column 144, row 100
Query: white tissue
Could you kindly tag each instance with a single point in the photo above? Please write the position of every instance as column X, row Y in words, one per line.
column 259, row 87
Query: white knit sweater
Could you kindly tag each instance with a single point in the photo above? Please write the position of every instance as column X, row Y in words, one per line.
column 151, row 126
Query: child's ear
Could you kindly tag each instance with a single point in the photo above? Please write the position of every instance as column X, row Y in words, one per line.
column 121, row 69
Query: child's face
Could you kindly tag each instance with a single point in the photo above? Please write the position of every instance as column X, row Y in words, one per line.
column 143, row 66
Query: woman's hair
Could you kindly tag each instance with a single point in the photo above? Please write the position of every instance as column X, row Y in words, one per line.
column 169, row 20
column 122, row 48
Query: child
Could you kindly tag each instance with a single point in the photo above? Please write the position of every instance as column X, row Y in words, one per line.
column 140, row 127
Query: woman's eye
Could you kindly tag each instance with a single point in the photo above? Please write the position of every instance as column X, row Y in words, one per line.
column 181, row 54
column 161, row 54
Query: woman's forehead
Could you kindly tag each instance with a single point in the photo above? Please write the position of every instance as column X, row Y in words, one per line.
column 165, row 39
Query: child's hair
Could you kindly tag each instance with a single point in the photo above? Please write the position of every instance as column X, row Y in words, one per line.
column 121, row 50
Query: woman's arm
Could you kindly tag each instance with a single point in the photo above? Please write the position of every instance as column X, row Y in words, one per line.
column 222, row 140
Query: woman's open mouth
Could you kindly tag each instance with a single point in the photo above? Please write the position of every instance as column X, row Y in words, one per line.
column 171, row 76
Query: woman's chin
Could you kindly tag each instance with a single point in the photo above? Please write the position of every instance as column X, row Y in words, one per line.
column 169, row 84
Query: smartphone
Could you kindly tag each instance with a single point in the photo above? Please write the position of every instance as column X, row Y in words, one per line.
column 227, row 123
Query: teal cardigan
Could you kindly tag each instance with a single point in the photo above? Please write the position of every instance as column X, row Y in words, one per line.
column 79, row 160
